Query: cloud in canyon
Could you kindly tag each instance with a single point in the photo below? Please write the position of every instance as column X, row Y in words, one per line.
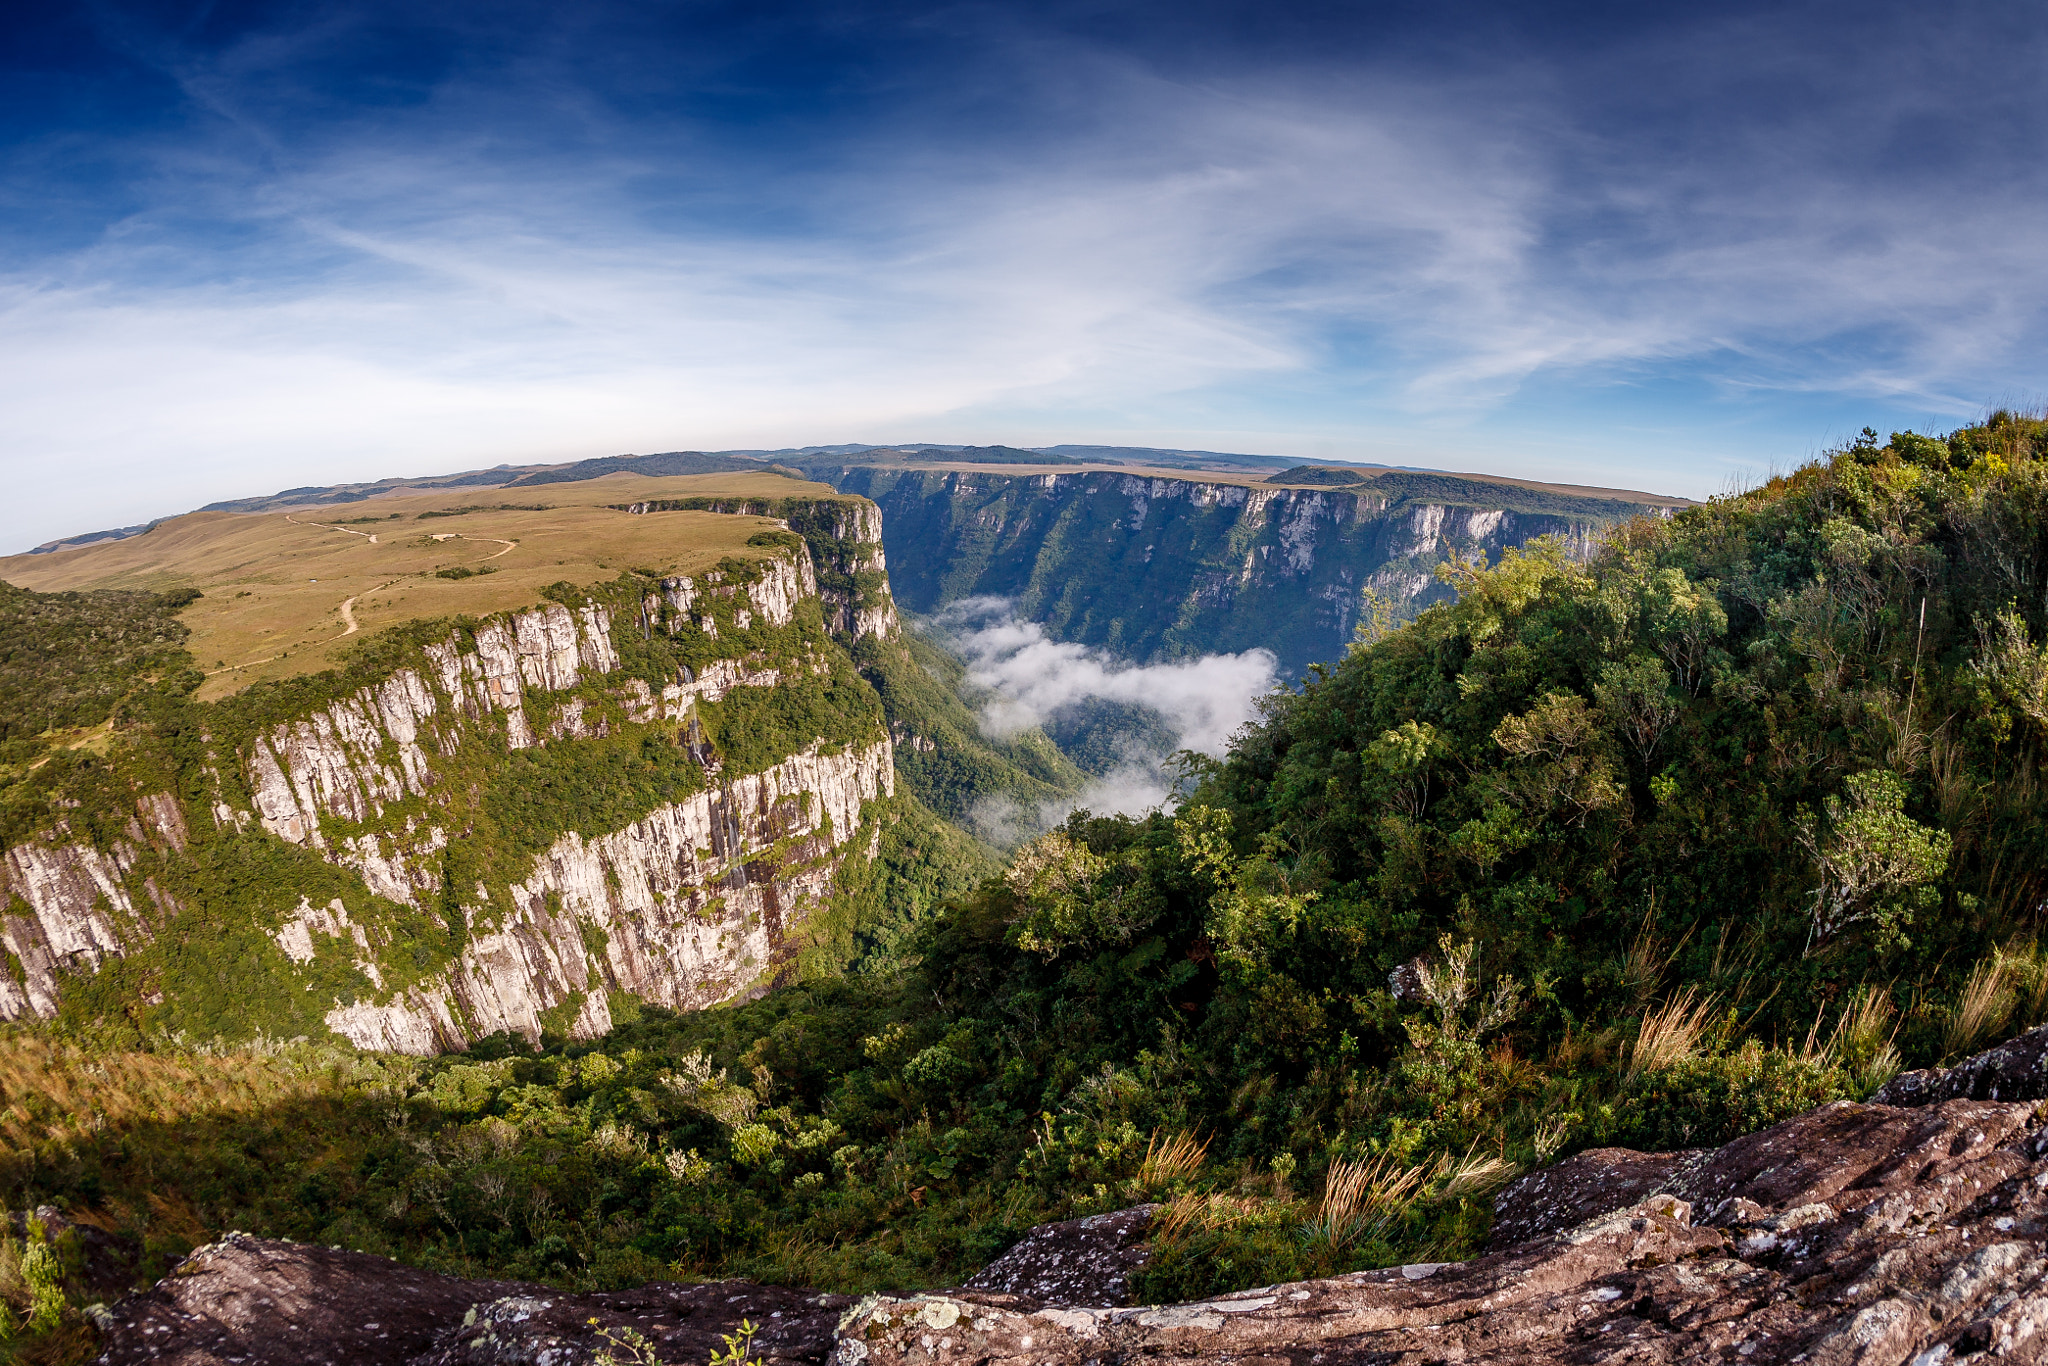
column 1030, row 677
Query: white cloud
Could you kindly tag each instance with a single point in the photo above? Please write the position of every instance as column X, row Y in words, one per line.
column 1361, row 261
column 1030, row 677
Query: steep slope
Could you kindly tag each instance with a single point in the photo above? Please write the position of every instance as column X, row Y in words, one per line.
column 942, row 752
column 1163, row 567
column 659, row 787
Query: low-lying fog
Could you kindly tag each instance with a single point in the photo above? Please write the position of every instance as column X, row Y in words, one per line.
column 1117, row 719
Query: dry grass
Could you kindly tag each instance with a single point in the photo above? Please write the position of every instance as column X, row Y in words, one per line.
column 1671, row 1033
column 1178, row 1215
column 1190, row 1210
column 1647, row 958
column 1985, row 1003
column 1362, row 1197
column 1176, row 1157
column 1863, row 1037
column 274, row 586
column 1473, row 1176
column 1864, row 1023
column 54, row 1091
column 1642, row 967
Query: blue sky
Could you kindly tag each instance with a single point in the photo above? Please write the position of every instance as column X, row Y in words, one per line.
column 248, row 246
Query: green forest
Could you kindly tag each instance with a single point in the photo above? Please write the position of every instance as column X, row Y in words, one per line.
column 1737, row 817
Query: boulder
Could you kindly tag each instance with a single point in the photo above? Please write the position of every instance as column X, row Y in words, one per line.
column 1855, row 1233
column 1076, row 1262
column 1875, row 1234
column 263, row 1302
column 677, row 1323
column 2015, row 1070
column 1575, row 1190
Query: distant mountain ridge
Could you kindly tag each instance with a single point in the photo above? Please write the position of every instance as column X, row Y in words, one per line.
column 1273, row 467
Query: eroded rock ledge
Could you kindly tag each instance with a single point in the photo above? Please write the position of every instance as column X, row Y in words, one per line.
column 1881, row 1233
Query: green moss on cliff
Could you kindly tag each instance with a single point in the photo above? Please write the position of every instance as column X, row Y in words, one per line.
column 211, row 967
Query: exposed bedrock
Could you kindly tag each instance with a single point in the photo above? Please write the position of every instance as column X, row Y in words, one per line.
column 1878, row 1234
column 844, row 536
column 1156, row 568
column 1856, row 1233
column 689, row 903
column 689, row 909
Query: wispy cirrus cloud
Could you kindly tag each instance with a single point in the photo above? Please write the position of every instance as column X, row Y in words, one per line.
column 545, row 235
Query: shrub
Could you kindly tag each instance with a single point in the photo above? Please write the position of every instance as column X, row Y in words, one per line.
column 1705, row 1101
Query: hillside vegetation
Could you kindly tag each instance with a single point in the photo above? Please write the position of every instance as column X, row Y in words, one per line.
column 108, row 712
column 1738, row 818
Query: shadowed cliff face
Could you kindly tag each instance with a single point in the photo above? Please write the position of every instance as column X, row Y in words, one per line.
column 493, row 824
column 1165, row 568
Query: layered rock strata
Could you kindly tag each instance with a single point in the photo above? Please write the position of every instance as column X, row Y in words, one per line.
column 689, row 907
column 72, row 905
column 694, row 901
column 844, row 536
column 1155, row 567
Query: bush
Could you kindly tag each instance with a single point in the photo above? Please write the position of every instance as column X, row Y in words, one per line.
column 1703, row 1102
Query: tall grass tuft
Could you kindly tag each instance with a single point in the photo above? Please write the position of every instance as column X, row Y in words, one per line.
column 1176, row 1157
column 1473, row 1176
column 1984, row 1005
column 1671, row 1033
column 1362, row 1199
column 1863, row 1038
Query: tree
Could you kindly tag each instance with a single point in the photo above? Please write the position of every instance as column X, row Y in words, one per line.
column 1869, row 852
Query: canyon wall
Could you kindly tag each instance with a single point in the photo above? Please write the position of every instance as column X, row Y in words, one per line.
column 504, row 824
column 1167, row 567
column 844, row 536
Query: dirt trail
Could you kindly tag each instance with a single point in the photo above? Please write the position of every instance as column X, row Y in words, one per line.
column 348, row 608
column 245, row 664
column 510, row 546
column 370, row 536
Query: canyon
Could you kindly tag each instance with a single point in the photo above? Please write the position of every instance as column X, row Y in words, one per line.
column 697, row 899
column 1151, row 567
column 454, row 777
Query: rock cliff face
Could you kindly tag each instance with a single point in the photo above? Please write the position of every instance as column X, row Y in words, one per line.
column 844, row 536
column 687, row 901
column 1158, row 567
column 690, row 906
column 80, row 903
column 1874, row 1234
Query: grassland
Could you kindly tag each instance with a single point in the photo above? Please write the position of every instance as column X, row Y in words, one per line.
column 283, row 590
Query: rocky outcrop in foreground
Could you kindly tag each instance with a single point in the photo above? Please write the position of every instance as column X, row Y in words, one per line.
column 1881, row 1233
